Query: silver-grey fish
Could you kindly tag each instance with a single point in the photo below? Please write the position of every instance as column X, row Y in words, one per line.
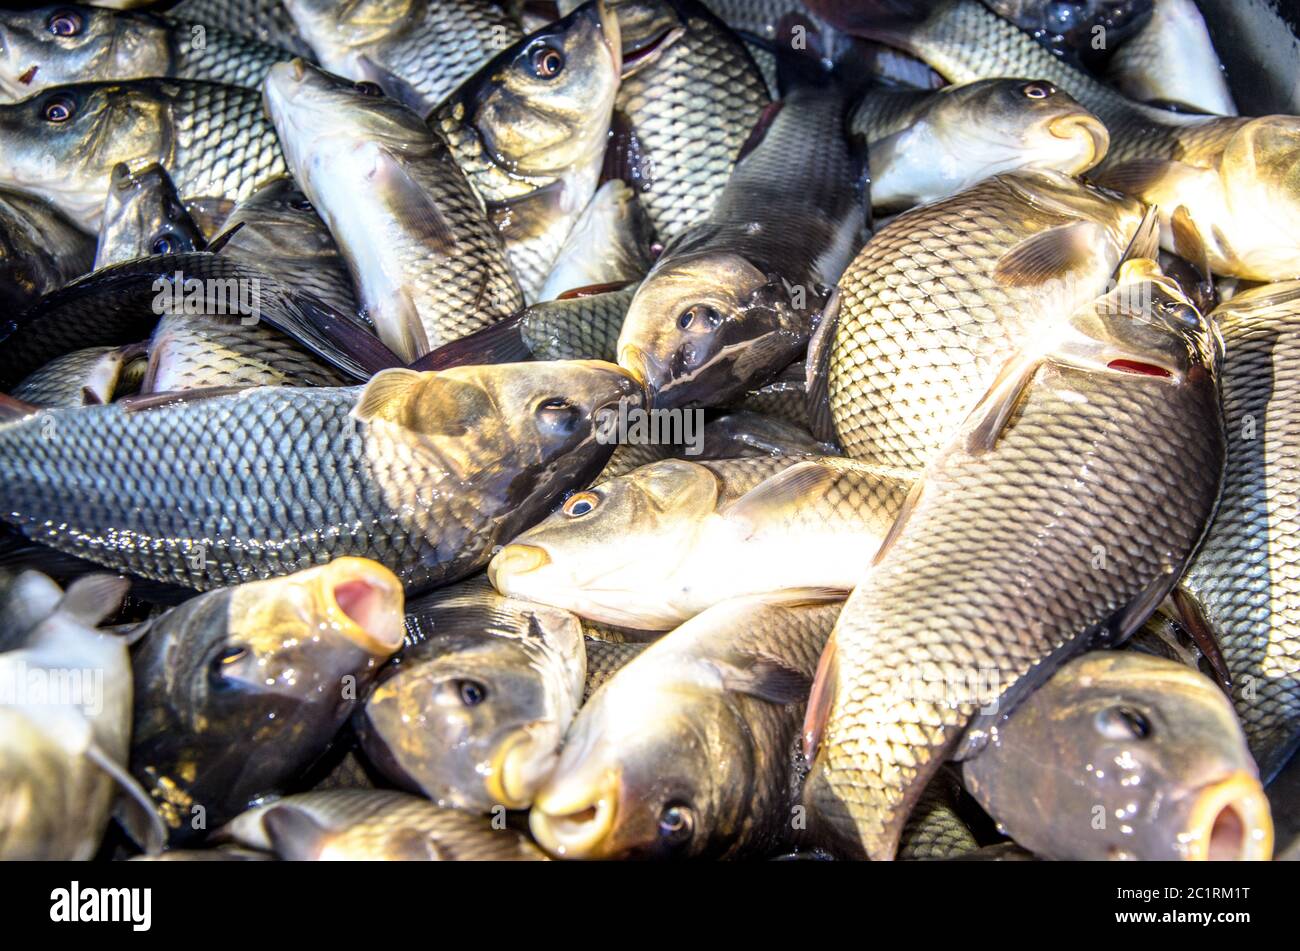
column 144, row 215
column 83, row 378
column 1172, row 60
column 609, row 244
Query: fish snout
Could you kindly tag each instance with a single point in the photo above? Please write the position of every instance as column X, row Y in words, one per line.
column 523, row 762
column 1231, row 821
column 513, row 560
column 1087, row 129
column 367, row 604
column 639, row 366
column 573, row 821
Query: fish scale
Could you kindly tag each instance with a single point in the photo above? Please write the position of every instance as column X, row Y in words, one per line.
column 224, row 57
column 692, row 111
column 194, row 353
column 995, row 574
column 223, row 143
column 1247, row 575
column 265, row 20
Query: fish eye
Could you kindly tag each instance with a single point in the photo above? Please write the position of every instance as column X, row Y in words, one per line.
column 471, row 692
column 164, row 244
column 367, row 88
column 1122, row 723
column 300, row 204
column 59, row 109
column 580, row 504
column 700, row 317
column 546, row 61
column 1038, row 90
column 558, row 414
column 676, row 823
column 217, row 669
column 65, row 23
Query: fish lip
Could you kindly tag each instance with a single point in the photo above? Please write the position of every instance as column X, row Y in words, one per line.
column 1230, row 819
column 367, row 599
column 575, row 827
column 1067, row 127
column 634, row 363
column 535, row 556
column 510, row 768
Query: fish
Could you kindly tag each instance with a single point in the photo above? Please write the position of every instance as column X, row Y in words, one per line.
column 692, row 534
column 742, row 434
column 1240, row 584
column 690, row 97
column 530, row 130
column 924, row 146
column 267, row 21
column 1172, row 60
column 274, row 666
column 1229, row 199
column 1058, row 517
column 473, row 714
column 27, row 598
column 785, row 398
column 427, row 264
column 688, row 751
column 64, row 143
column 40, row 250
column 733, row 300
column 609, row 244
column 144, row 215
column 417, row 51
column 605, row 659
column 364, row 825
column 1124, row 756
column 83, row 378
column 63, row 752
column 1070, row 30
column 50, row 46
column 941, row 297
column 422, row 472
column 937, row 830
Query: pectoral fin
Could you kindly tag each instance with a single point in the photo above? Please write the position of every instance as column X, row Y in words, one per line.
column 134, row 809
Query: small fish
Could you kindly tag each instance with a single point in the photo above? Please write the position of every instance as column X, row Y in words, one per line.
column 241, row 689
column 364, row 825
column 144, row 215
column 1149, row 742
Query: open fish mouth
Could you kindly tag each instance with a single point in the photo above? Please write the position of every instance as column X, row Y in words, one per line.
column 1230, row 821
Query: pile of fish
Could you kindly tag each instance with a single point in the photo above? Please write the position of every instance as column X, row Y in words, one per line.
column 460, row 429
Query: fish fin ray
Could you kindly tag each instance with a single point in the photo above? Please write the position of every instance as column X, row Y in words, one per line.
column 134, row 808
column 1050, row 255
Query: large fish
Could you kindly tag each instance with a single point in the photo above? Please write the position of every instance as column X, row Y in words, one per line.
column 65, row 729
column 1171, row 61
column 734, row 298
column 473, row 713
column 689, row 750
column 423, row 472
column 927, row 145
column 374, row 825
column 530, row 129
column 426, row 262
column 74, row 43
column 241, row 689
column 41, row 250
column 1057, row 518
column 1124, row 756
column 144, row 215
column 1243, row 582
column 937, row 828
column 653, row 548
column 65, row 142
column 1076, row 30
column 942, row 296
column 417, row 51
column 690, row 99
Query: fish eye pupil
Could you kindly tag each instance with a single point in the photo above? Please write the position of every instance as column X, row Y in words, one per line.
column 686, row 319
column 547, row 62
column 472, row 693
column 58, row 110
column 579, row 505
column 1038, row 91
column 163, row 244
column 676, row 822
column 367, row 88
column 1123, row 723
column 65, row 23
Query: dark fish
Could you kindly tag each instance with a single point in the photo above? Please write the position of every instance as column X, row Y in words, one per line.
column 40, row 250
column 144, row 215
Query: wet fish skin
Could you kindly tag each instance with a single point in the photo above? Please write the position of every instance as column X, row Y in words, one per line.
column 1069, row 30
column 688, row 750
column 785, row 398
column 64, row 143
column 365, row 825
column 692, row 102
column 144, row 215
column 936, row 830
column 267, row 21
column 417, row 51
column 427, row 264
column 473, row 714
column 733, row 300
column 61, row 44
column 1172, row 60
column 969, row 132
column 1183, row 786
column 605, row 659
column 81, row 378
column 268, row 663
column 935, row 304
column 692, row 534
column 609, row 244
column 1056, row 519
column 40, row 249
column 1241, row 580
column 530, row 129
column 403, row 458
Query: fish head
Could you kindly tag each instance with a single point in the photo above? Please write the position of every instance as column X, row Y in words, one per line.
column 474, row 716
column 626, row 789
column 1260, row 177
column 64, row 143
column 300, row 636
column 654, row 512
column 337, row 31
column 1025, row 123
column 143, row 210
column 70, row 42
column 1146, row 752
column 279, row 216
column 704, row 327
column 542, row 106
